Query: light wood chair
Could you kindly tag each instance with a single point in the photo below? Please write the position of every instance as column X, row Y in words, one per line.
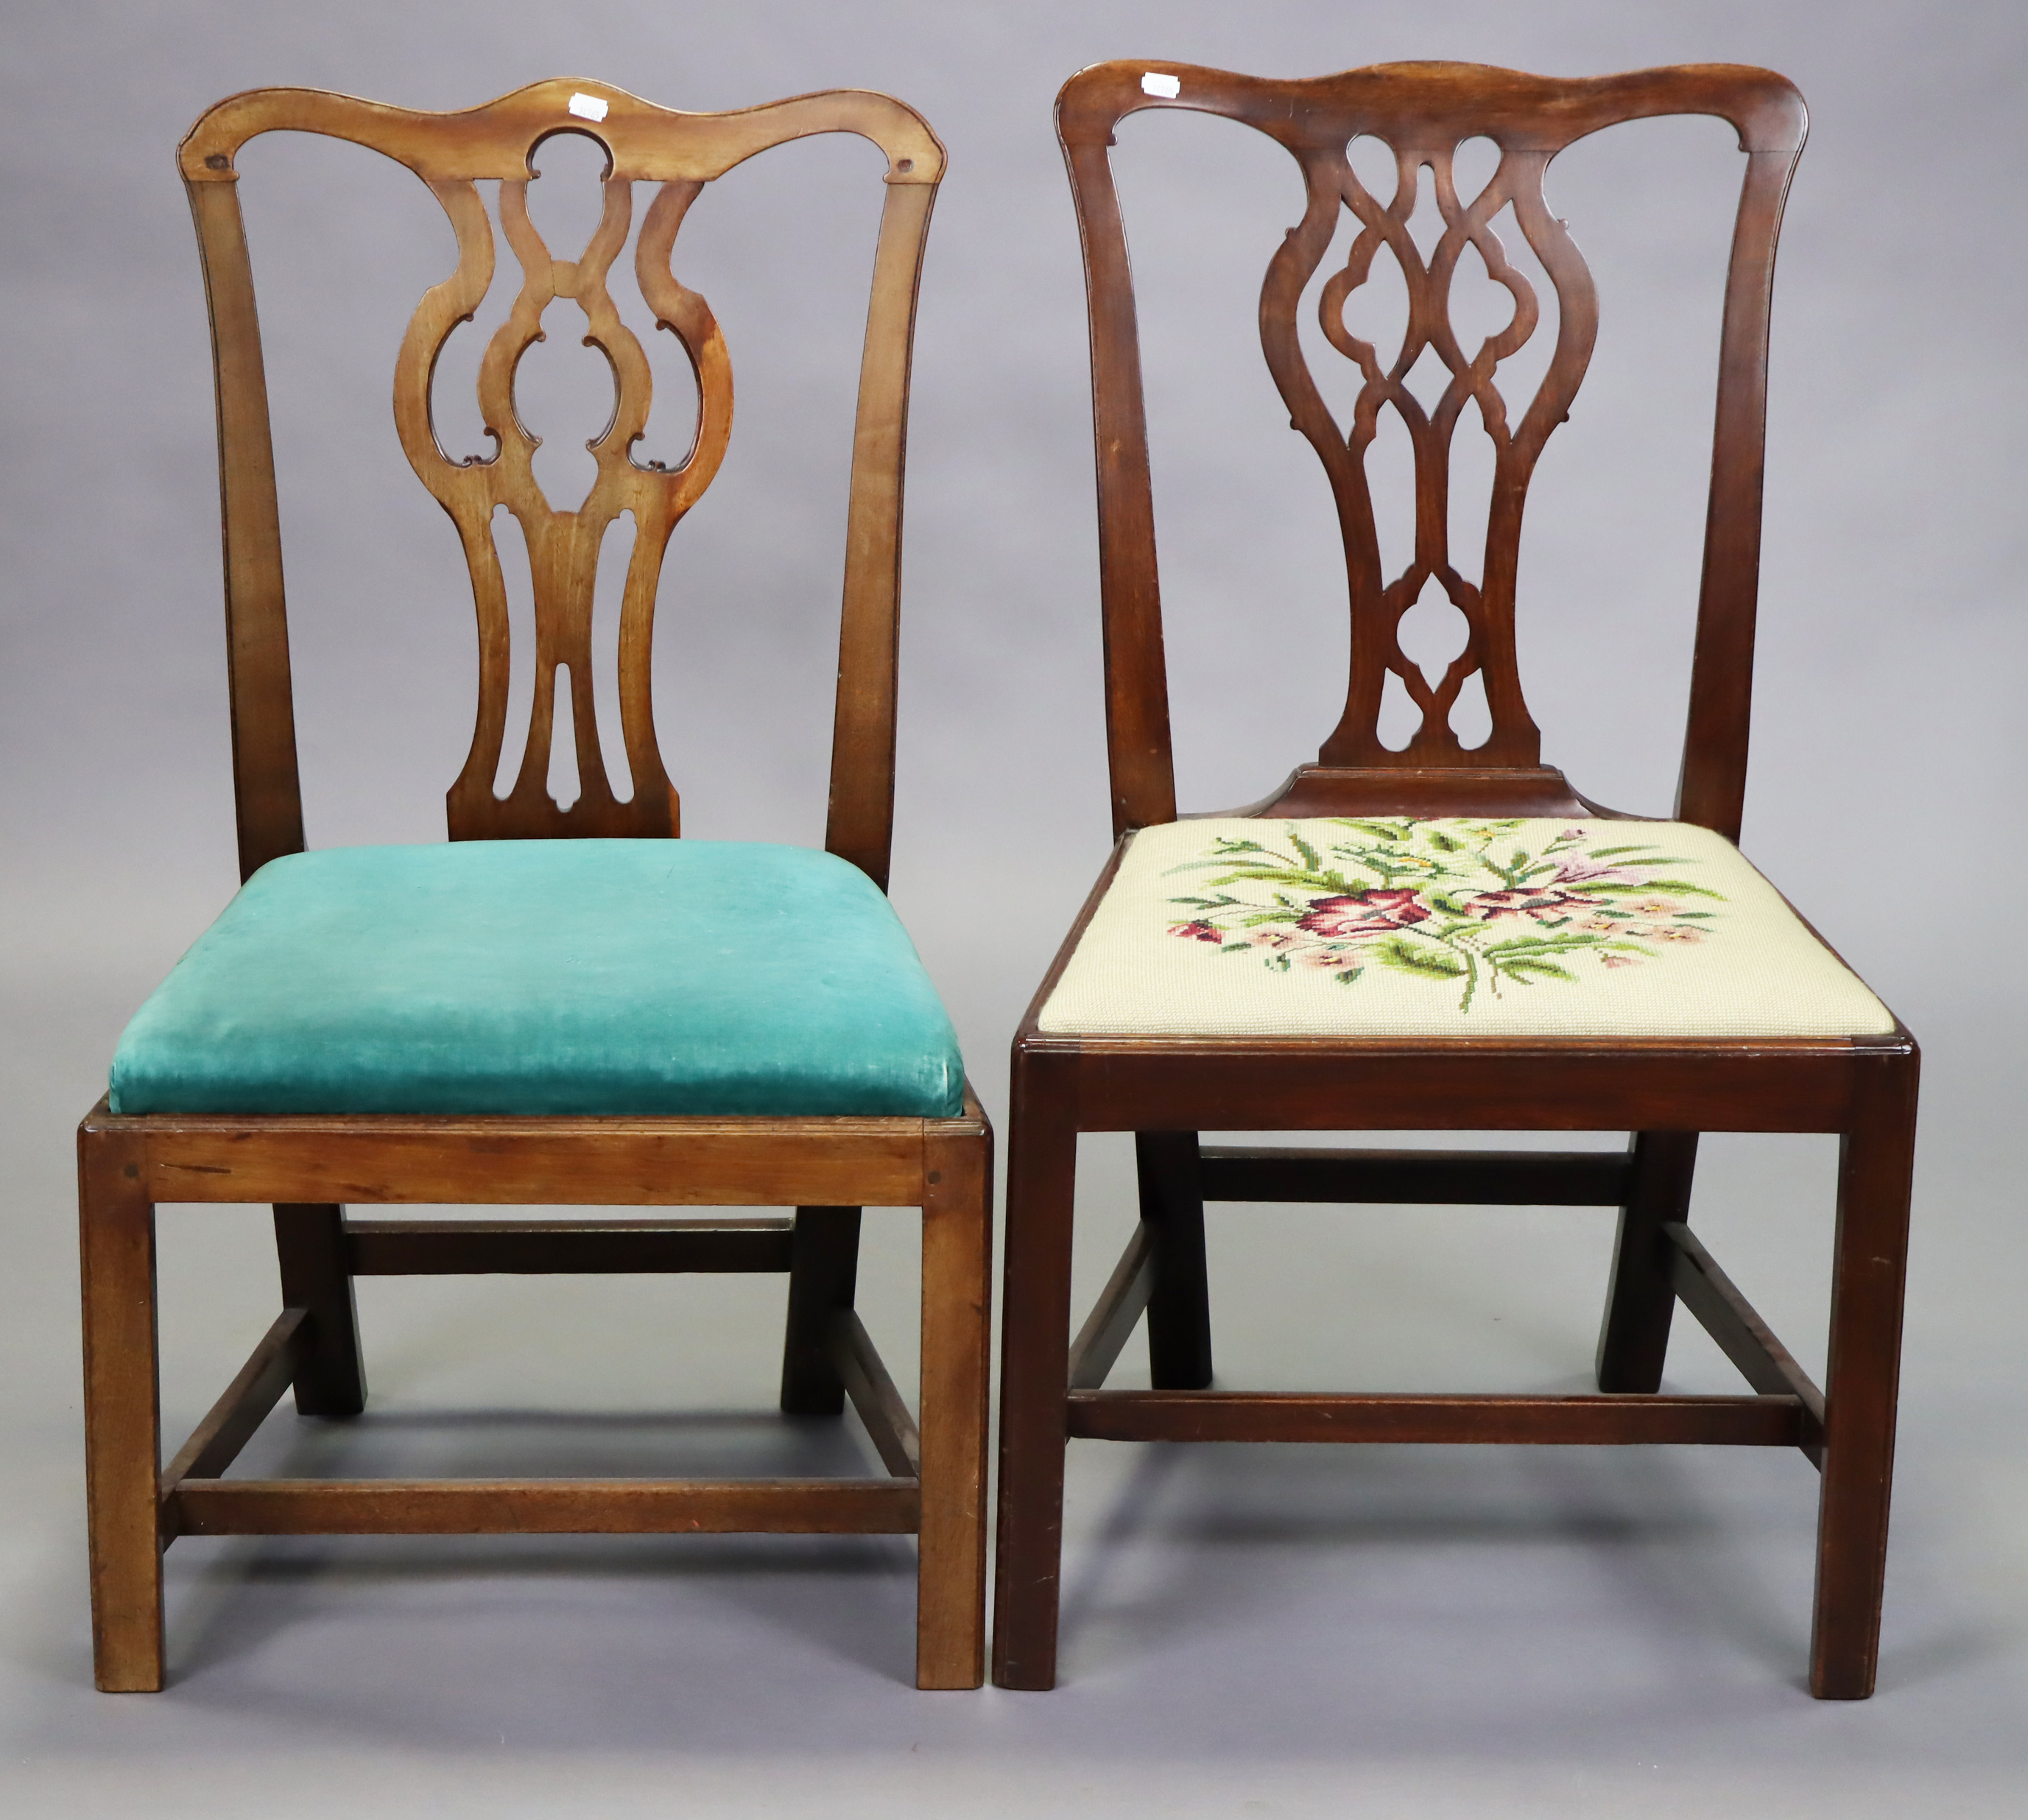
column 1441, row 937
column 602, row 1094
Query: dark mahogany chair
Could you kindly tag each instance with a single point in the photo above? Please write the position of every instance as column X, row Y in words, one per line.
column 525, row 1016
column 1442, row 937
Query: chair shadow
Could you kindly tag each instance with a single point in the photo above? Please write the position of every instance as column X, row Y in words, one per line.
column 252, row 1589
column 1657, row 1546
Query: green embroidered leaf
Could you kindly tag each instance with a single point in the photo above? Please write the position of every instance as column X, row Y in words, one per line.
column 1329, row 883
column 1601, row 852
column 1679, row 886
column 1256, row 920
column 1350, row 974
column 1390, row 831
column 1407, row 956
column 1309, row 852
column 1443, row 842
column 1527, row 945
column 1522, row 966
column 1683, row 884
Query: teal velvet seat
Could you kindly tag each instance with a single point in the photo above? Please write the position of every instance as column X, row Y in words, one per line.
column 548, row 976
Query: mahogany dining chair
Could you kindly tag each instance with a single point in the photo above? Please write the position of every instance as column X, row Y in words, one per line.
column 1442, row 936
column 562, row 1004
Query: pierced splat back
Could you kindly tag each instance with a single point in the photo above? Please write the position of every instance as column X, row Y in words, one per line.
column 452, row 154
column 1423, row 112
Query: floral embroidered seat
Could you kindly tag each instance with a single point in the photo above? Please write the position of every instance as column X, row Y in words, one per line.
column 1394, row 926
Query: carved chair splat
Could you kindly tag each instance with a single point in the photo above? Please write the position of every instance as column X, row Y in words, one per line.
column 929, row 1148
column 1123, row 1035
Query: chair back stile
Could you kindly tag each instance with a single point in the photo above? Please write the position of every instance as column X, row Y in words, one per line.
column 1421, row 112
column 452, row 154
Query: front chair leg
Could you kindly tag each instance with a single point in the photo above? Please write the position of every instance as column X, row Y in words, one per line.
column 1633, row 1339
column 1876, row 1165
column 957, row 1302
column 122, row 1413
column 309, row 1243
column 1034, row 1373
column 1166, row 1165
column 824, row 1275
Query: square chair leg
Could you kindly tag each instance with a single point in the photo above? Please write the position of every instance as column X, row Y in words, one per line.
column 1035, row 1314
column 1876, row 1166
column 957, row 1301
column 122, row 1417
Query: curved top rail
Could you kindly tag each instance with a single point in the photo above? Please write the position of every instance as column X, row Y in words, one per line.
column 1443, row 102
column 644, row 142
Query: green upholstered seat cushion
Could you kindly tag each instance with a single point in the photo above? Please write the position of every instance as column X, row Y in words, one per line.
column 534, row 976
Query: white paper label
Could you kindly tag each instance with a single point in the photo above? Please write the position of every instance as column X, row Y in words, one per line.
column 587, row 107
column 1167, row 87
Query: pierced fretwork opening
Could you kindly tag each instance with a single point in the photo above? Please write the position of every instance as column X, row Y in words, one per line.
column 1432, row 633
column 519, row 660
column 615, row 556
column 563, row 783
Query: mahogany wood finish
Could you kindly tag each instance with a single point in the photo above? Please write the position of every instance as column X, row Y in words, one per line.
column 825, row 1169
column 1161, row 1415
column 1634, row 1334
column 1663, row 1091
column 317, row 1269
column 823, row 1273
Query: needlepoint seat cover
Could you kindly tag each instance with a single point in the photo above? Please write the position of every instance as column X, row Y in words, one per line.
column 585, row 977
column 1397, row 926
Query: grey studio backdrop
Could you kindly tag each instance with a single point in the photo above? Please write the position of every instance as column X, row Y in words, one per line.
column 1433, row 1631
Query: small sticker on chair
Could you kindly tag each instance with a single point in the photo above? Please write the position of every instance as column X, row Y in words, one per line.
column 588, row 107
column 1153, row 82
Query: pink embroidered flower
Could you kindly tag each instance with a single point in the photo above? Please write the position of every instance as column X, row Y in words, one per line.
column 1536, row 901
column 1599, row 926
column 1269, row 935
column 1366, row 913
column 1574, row 871
column 1573, row 834
column 1653, row 906
column 1619, row 960
column 1197, row 930
column 1680, row 933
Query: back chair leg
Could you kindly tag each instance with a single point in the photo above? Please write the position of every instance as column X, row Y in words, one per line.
column 957, row 1302
column 824, row 1275
column 1179, row 1299
column 310, row 1241
column 1876, row 1166
column 1034, row 1377
column 122, row 1416
column 1633, row 1339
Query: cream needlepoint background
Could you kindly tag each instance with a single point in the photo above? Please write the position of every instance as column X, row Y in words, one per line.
column 1391, row 926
